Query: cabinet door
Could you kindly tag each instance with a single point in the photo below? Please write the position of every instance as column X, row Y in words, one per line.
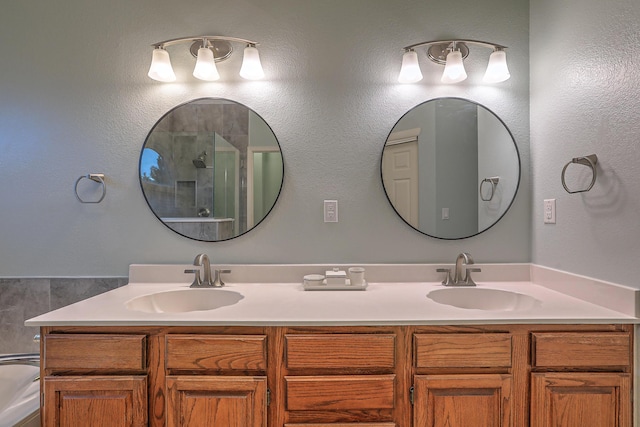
column 95, row 401
column 580, row 400
column 482, row 400
column 216, row 401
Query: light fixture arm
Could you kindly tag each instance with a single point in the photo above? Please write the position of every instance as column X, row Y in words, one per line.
column 475, row 42
column 437, row 50
column 192, row 39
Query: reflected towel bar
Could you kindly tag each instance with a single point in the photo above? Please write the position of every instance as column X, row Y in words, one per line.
column 494, row 183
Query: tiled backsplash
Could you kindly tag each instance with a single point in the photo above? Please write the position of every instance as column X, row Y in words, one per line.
column 24, row 298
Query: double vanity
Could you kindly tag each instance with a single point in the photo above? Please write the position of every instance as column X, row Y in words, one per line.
column 417, row 345
column 526, row 346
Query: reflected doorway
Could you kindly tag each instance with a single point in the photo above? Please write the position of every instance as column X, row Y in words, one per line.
column 264, row 179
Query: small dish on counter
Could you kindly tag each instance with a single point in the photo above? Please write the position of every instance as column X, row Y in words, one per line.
column 314, row 280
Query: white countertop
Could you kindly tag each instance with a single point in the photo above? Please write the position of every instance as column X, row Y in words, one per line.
column 383, row 303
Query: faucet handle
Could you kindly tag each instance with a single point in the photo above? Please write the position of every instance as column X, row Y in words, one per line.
column 447, row 279
column 468, row 281
column 217, row 280
column 197, row 281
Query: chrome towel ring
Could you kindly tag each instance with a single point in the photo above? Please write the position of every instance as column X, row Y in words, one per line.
column 494, row 183
column 591, row 161
column 96, row 177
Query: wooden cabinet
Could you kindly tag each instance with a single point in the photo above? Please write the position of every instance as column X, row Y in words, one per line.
column 462, row 400
column 212, row 401
column 94, row 379
column 366, row 376
column 209, row 380
column 154, row 376
column 468, row 379
column 95, row 401
column 574, row 399
column 581, row 379
column 332, row 377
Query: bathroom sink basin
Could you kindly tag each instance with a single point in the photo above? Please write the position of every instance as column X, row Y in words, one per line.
column 473, row 298
column 184, row 300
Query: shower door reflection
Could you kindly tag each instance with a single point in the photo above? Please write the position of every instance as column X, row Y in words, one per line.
column 226, row 179
column 195, row 193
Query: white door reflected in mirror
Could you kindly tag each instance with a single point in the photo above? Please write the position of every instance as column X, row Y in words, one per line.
column 435, row 161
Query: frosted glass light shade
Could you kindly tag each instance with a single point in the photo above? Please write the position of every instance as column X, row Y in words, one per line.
column 251, row 67
column 160, row 68
column 410, row 70
column 497, row 70
column 205, row 66
column 454, row 71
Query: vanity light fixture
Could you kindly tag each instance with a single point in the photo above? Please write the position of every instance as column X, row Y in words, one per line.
column 208, row 50
column 451, row 54
column 454, row 71
column 410, row 71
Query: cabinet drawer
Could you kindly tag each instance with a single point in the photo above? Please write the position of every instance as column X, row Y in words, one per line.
column 342, row 425
column 581, row 349
column 348, row 392
column 462, row 350
column 95, row 352
column 217, row 352
column 340, row 351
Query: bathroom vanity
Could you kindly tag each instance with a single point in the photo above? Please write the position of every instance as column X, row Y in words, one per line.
column 388, row 356
column 494, row 375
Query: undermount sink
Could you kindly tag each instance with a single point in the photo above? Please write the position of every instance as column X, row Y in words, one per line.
column 184, row 300
column 473, row 298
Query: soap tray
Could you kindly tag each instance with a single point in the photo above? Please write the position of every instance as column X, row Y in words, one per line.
column 346, row 287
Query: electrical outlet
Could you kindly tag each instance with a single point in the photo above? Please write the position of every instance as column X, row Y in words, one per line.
column 330, row 211
column 550, row 211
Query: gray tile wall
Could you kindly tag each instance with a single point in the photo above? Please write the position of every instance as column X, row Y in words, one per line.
column 24, row 298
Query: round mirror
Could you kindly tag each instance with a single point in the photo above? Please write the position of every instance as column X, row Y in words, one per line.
column 211, row 169
column 450, row 168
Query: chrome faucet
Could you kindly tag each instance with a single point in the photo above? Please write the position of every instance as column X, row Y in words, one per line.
column 201, row 260
column 462, row 259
